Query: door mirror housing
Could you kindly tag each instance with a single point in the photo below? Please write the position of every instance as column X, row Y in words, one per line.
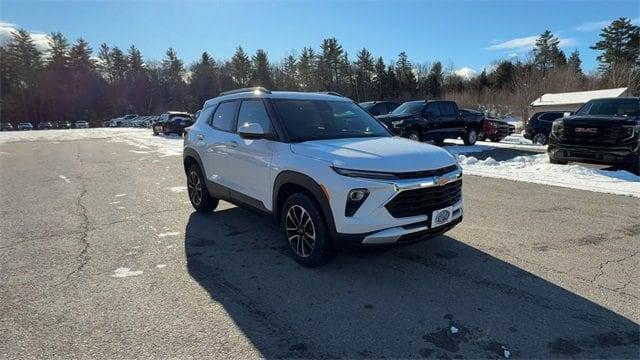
column 253, row 131
column 567, row 113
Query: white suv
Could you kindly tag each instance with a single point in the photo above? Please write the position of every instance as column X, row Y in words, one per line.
column 328, row 172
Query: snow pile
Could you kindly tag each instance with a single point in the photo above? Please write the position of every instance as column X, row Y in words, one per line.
column 125, row 272
column 537, row 169
column 142, row 139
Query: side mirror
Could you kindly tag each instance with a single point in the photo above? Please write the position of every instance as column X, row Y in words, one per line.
column 253, row 131
column 567, row 114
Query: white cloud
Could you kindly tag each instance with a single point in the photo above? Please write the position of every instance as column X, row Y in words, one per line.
column 599, row 25
column 466, row 73
column 6, row 33
column 526, row 43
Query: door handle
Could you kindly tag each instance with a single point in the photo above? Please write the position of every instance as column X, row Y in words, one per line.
column 232, row 144
column 200, row 137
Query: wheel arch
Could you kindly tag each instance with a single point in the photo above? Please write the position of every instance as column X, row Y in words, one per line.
column 189, row 157
column 289, row 182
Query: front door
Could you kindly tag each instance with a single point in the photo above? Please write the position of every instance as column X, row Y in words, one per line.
column 249, row 162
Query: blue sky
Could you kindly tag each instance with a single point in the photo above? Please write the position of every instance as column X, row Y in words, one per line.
column 468, row 34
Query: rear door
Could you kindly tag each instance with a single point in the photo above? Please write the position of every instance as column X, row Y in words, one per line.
column 217, row 137
column 249, row 161
column 450, row 123
column 431, row 114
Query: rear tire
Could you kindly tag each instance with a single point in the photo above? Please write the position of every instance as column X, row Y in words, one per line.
column 305, row 231
column 470, row 136
column 199, row 196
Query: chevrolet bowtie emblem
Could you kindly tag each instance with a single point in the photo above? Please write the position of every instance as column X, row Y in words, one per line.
column 442, row 181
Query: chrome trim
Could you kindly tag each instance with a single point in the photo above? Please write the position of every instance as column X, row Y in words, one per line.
column 452, row 176
column 391, row 235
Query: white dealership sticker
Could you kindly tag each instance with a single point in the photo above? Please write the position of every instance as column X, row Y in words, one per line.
column 441, row 217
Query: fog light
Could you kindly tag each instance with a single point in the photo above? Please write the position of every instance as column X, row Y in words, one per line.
column 355, row 199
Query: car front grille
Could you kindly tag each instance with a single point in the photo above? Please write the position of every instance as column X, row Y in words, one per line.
column 594, row 134
column 426, row 173
column 424, row 201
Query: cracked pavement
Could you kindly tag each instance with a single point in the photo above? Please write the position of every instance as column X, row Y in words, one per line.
column 541, row 271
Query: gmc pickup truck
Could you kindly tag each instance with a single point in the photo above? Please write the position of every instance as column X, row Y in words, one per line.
column 603, row 131
column 434, row 120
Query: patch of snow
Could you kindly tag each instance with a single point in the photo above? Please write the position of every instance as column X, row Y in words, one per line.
column 121, row 195
column 507, row 354
column 120, row 207
column 172, row 233
column 454, row 330
column 160, row 266
column 125, row 272
column 170, row 246
column 65, row 179
column 178, row 189
column 114, row 202
column 142, row 139
column 537, row 169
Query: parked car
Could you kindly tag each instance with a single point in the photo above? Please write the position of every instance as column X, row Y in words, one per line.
column 6, row 127
column 323, row 168
column 172, row 122
column 435, row 120
column 124, row 121
column 63, row 125
column 376, row 108
column 539, row 126
column 495, row 130
column 25, row 126
column 45, row 125
column 81, row 124
column 603, row 131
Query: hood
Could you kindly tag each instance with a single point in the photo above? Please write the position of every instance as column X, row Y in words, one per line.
column 391, row 117
column 599, row 120
column 391, row 154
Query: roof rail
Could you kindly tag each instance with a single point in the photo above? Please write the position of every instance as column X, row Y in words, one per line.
column 243, row 90
column 330, row 93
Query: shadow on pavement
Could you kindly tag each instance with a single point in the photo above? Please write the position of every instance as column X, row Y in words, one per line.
column 400, row 304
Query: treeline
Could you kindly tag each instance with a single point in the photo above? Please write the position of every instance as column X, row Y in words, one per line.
column 72, row 82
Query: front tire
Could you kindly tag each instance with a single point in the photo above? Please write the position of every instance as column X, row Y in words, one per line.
column 413, row 135
column 199, row 196
column 470, row 136
column 557, row 162
column 539, row 138
column 306, row 232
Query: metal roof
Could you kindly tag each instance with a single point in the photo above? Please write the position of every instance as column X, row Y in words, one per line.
column 577, row 97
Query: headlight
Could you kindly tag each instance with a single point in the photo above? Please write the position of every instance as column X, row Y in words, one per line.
column 396, row 123
column 365, row 174
column 629, row 131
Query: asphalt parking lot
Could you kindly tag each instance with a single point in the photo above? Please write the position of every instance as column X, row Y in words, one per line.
column 101, row 255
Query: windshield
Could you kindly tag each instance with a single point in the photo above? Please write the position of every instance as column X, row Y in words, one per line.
column 611, row 107
column 322, row 119
column 410, row 107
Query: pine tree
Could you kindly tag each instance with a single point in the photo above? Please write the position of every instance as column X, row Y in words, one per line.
column 364, row 70
column 290, row 74
column 574, row 63
column 330, row 61
column 173, row 73
column 620, row 44
column 380, row 79
column 119, row 65
column 58, row 53
column 435, row 80
column 26, row 64
column 547, row 52
column 204, row 84
column 406, row 79
column 240, row 68
column 261, row 72
column 307, row 69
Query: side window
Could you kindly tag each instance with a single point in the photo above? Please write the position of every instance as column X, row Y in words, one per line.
column 253, row 111
column 379, row 109
column 433, row 108
column 205, row 114
column 224, row 116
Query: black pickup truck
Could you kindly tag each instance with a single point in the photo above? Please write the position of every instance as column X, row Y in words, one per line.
column 434, row 120
column 603, row 131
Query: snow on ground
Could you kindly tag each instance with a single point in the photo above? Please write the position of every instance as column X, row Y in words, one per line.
column 537, row 169
column 531, row 168
column 142, row 139
column 125, row 272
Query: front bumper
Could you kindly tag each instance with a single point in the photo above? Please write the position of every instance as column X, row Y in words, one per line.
column 593, row 154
